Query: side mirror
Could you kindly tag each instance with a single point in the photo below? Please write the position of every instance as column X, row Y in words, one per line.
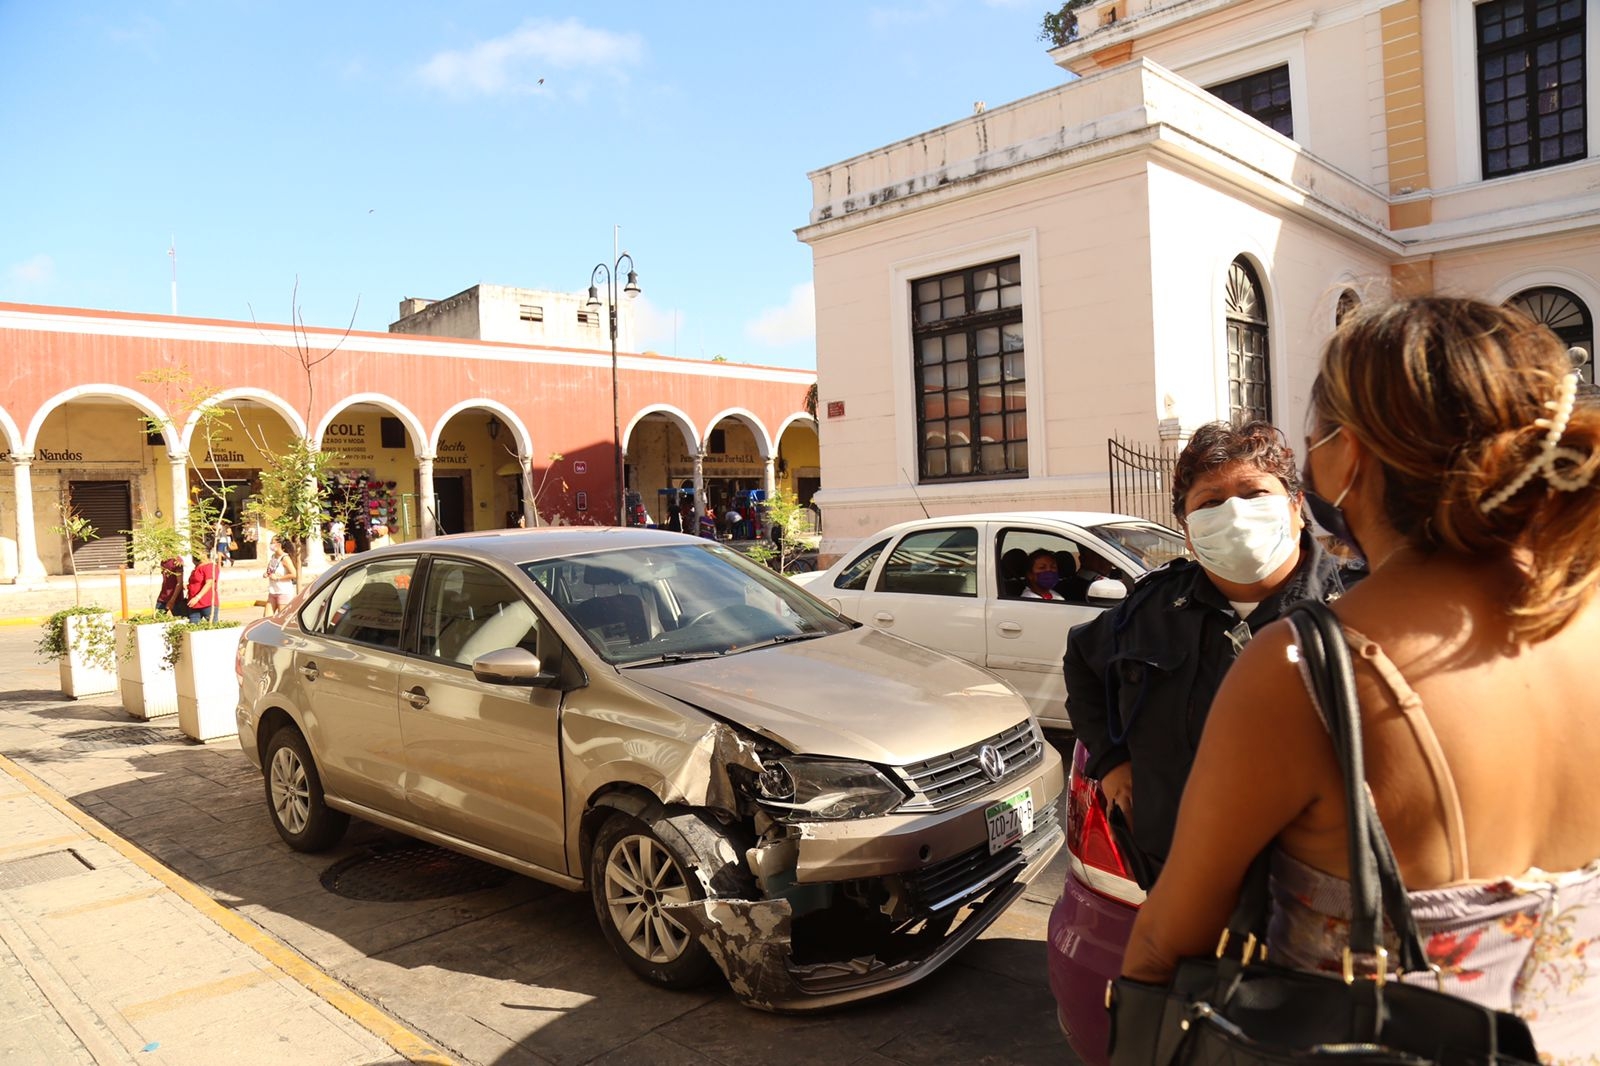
column 509, row 666
column 1107, row 591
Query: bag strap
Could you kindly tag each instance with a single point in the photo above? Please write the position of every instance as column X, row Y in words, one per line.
column 1374, row 871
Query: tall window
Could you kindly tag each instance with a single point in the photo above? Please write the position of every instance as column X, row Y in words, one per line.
column 1565, row 316
column 1249, row 384
column 1264, row 97
column 1530, row 84
column 972, row 401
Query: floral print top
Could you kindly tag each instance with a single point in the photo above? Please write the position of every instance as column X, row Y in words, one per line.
column 1520, row 944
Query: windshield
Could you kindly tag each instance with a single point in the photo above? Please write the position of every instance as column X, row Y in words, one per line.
column 1149, row 544
column 644, row 606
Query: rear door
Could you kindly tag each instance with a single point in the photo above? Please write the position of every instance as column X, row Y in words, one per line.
column 928, row 588
column 346, row 676
column 483, row 761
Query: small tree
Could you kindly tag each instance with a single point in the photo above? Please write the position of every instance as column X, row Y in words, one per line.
column 788, row 526
column 76, row 530
column 294, row 497
column 154, row 542
column 1060, row 27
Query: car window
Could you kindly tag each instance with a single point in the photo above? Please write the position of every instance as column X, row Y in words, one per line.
column 664, row 603
column 367, row 604
column 933, row 562
column 469, row 610
column 1151, row 545
column 1014, row 550
column 854, row 577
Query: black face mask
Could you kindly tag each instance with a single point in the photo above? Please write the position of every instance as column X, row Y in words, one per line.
column 1327, row 514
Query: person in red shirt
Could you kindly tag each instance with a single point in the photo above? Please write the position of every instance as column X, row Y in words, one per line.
column 203, row 590
column 171, row 599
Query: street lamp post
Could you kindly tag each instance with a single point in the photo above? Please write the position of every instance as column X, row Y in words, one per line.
column 630, row 290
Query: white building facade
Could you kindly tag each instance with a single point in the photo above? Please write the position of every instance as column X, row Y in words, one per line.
column 1131, row 255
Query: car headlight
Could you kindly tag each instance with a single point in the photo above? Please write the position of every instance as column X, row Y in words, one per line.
column 826, row 789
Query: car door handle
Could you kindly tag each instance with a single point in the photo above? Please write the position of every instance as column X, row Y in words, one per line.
column 310, row 671
column 1010, row 629
column 417, row 697
column 883, row 618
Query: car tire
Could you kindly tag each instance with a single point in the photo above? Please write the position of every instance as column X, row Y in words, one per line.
column 631, row 870
column 300, row 814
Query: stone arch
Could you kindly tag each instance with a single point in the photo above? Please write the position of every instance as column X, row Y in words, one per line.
column 151, row 409
column 754, row 424
column 269, row 400
column 12, row 436
column 674, row 415
column 794, row 419
column 399, row 410
column 504, row 413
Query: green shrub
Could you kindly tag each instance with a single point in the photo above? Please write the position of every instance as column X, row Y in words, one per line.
column 97, row 643
column 175, row 632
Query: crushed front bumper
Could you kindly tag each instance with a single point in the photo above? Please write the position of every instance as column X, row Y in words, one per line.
column 752, row 940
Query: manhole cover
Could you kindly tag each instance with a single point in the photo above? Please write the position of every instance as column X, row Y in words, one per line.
column 401, row 873
column 116, row 736
column 35, row 869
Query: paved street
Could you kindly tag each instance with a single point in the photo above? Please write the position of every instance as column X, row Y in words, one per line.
column 513, row 973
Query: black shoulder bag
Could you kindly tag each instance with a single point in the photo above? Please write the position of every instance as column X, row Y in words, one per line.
column 1240, row 1010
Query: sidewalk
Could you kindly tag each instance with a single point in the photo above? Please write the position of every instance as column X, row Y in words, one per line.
column 109, row 957
column 34, row 600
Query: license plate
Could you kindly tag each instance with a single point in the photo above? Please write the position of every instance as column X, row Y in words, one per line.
column 1010, row 820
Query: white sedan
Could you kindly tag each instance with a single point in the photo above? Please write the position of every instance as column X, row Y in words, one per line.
column 955, row 583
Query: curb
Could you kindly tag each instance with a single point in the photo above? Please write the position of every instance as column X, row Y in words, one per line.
column 411, row 1046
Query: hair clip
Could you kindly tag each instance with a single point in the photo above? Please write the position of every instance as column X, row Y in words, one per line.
column 1550, row 451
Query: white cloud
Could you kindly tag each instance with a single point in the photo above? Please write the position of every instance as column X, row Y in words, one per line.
column 519, row 62
column 40, row 270
column 658, row 329
column 795, row 321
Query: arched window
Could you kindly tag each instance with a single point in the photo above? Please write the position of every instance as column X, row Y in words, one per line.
column 1565, row 316
column 1249, row 384
column 1348, row 302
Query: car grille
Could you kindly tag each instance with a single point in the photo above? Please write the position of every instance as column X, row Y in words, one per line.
column 946, row 780
column 956, row 879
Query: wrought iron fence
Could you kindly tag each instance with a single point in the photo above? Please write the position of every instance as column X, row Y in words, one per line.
column 1141, row 479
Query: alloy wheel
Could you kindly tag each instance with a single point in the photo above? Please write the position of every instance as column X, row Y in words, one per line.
column 291, row 790
column 641, row 876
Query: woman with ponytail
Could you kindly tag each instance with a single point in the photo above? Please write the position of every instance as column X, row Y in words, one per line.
column 1448, row 446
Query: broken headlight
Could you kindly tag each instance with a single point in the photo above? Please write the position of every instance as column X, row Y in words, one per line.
column 826, row 789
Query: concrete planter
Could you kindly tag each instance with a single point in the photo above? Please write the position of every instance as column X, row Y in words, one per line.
column 148, row 686
column 79, row 677
column 208, row 689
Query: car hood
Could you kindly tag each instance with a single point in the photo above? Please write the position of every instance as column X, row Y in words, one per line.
column 857, row 695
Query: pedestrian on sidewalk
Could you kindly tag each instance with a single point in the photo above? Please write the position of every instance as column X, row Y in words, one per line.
column 203, row 590
column 280, row 576
column 173, row 598
column 336, row 538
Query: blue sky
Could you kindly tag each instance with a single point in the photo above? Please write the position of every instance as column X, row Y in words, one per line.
column 380, row 151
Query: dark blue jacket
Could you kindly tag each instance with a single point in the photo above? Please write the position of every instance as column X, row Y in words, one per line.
column 1141, row 677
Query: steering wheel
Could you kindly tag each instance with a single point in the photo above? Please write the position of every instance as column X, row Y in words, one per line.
column 701, row 617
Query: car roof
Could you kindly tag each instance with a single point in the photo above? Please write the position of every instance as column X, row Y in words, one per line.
column 1077, row 518
column 534, row 545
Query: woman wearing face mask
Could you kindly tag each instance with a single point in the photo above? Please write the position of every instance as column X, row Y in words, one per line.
column 1044, row 575
column 1449, row 447
column 1141, row 677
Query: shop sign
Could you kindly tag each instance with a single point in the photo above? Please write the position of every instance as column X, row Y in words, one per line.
column 580, row 467
column 451, row 453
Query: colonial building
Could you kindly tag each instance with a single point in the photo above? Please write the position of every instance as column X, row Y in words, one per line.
column 100, row 411
column 1167, row 239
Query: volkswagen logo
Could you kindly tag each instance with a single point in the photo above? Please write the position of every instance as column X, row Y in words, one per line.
column 993, row 763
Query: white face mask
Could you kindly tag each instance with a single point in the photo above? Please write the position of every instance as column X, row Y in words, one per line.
column 1244, row 541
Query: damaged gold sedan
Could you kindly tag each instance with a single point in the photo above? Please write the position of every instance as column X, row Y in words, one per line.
column 744, row 781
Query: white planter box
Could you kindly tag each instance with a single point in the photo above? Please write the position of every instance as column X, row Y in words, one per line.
column 208, row 689
column 147, row 684
column 78, row 677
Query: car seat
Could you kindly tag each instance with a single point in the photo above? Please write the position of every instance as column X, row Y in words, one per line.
column 613, row 619
column 1013, row 573
column 373, row 616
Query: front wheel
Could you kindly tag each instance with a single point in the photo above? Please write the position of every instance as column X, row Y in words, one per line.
column 632, row 874
column 294, row 795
